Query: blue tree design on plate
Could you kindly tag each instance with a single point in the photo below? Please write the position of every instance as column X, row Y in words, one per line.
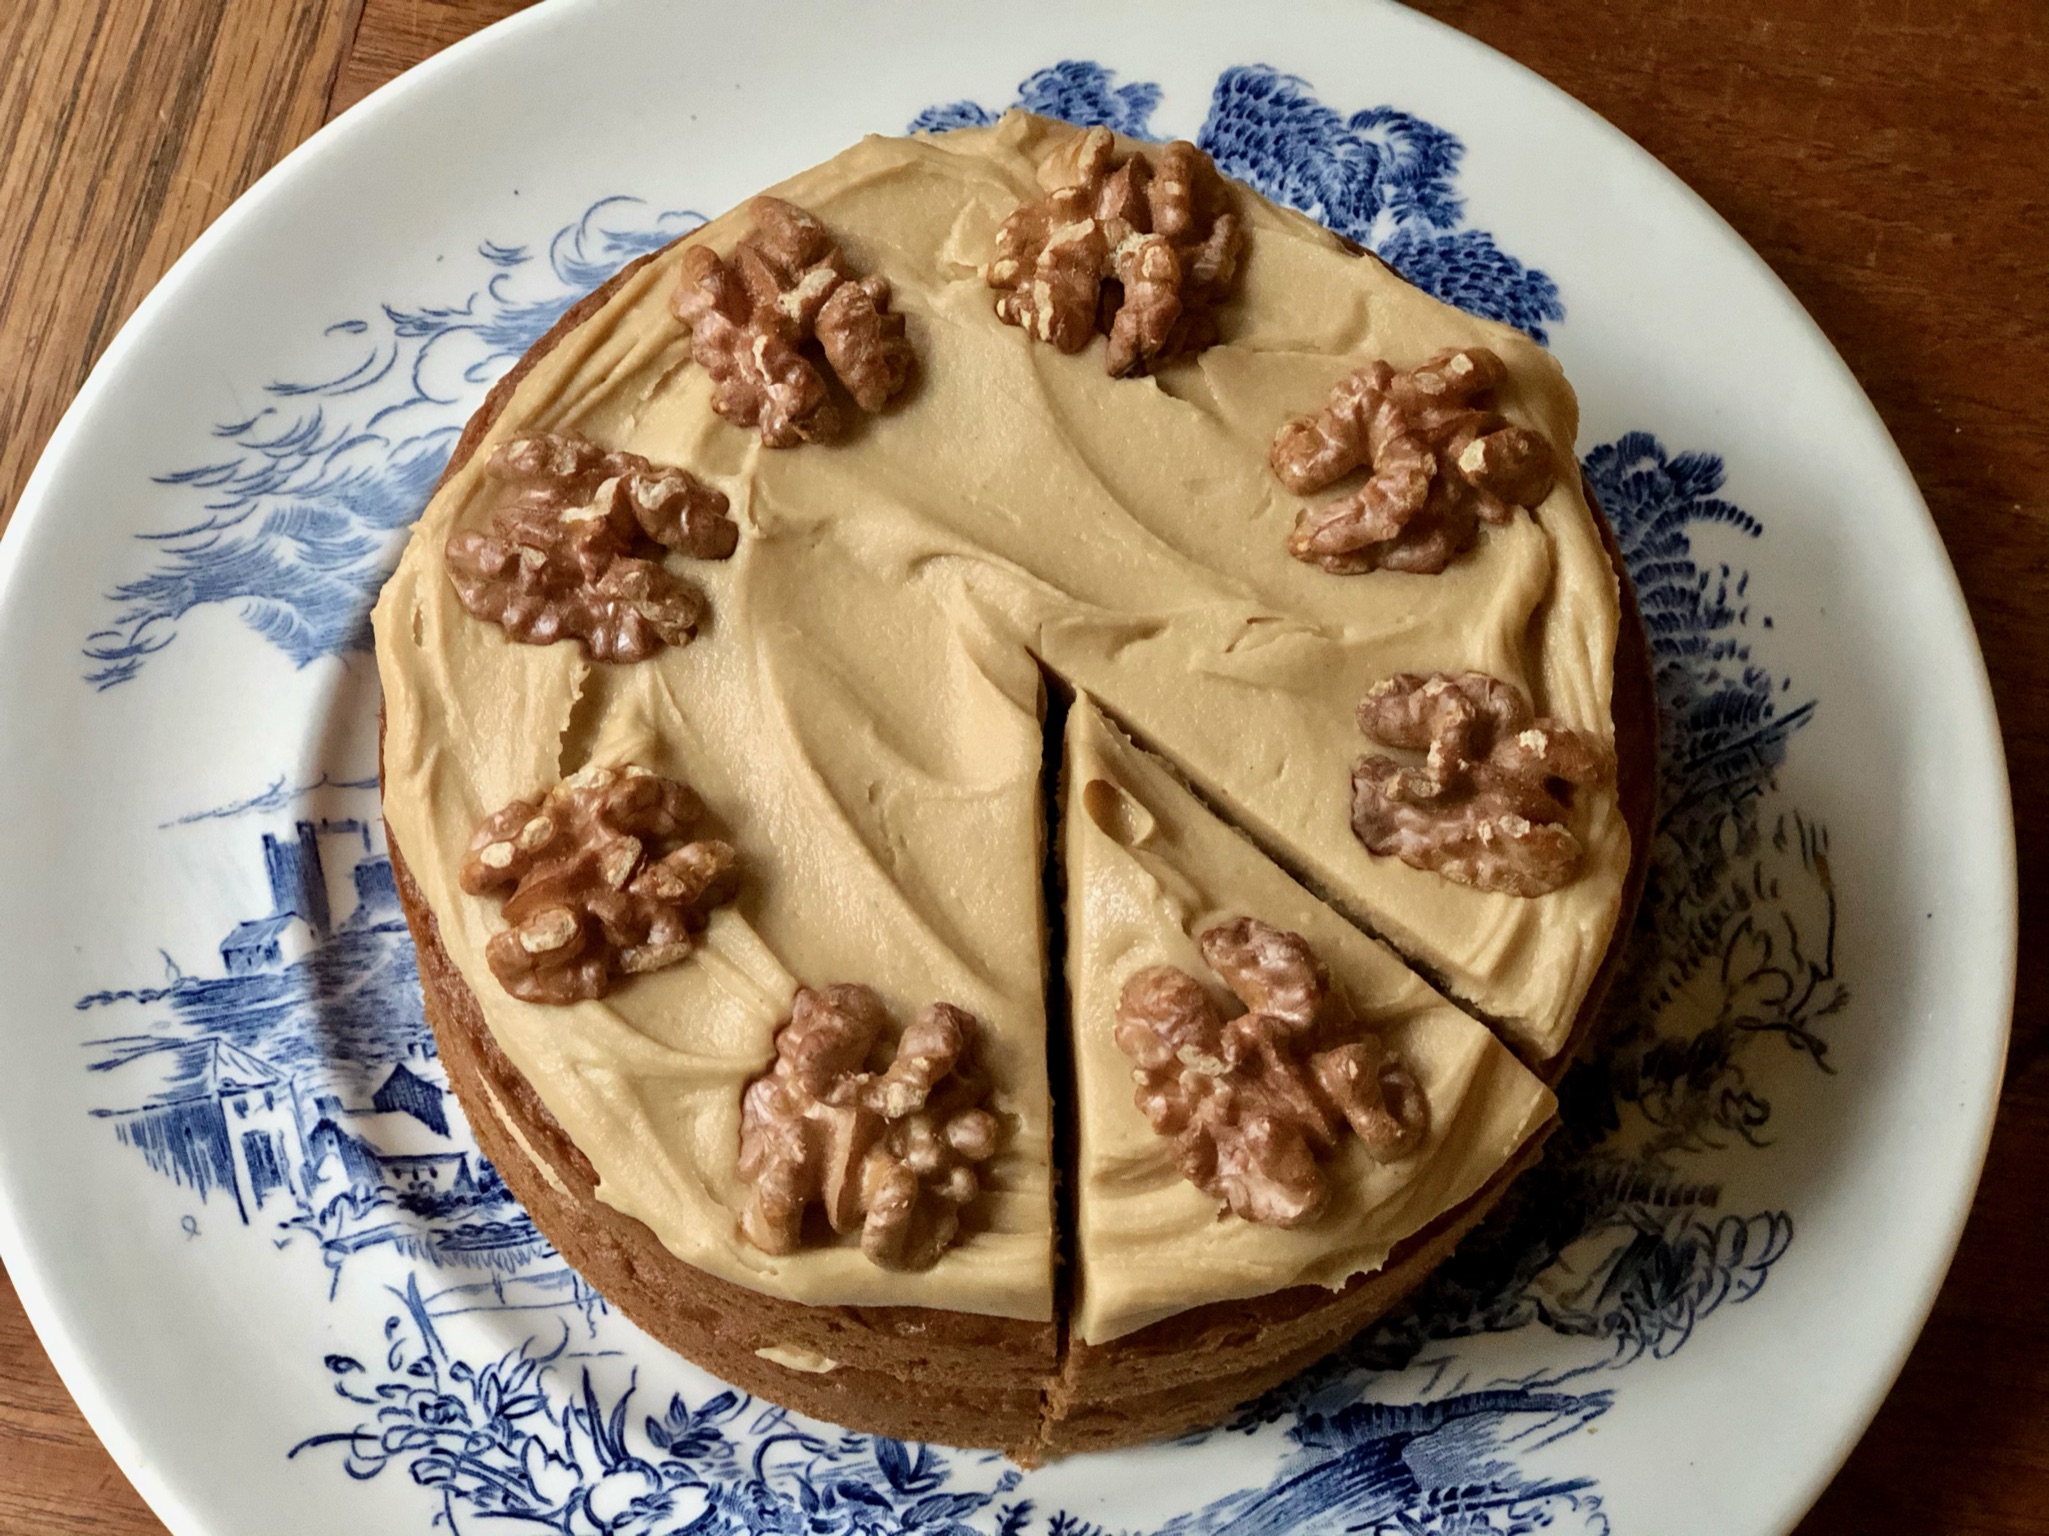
column 1382, row 177
column 300, row 517
column 267, row 1087
column 1074, row 89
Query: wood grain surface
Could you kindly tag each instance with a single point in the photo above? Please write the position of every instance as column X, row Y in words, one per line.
column 1890, row 160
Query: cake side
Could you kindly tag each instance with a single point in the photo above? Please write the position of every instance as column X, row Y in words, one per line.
column 1637, row 777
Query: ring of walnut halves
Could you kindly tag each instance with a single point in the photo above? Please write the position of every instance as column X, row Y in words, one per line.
column 890, row 1154
column 600, row 882
column 1440, row 461
column 1139, row 254
column 1254, row 1104
column 1487, row 806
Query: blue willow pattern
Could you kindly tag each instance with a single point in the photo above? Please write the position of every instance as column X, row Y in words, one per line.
column 300, row 1088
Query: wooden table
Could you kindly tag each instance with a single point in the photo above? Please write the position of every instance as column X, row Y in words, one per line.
column 1891, row 161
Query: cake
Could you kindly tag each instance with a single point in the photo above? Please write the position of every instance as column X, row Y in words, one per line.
column 991, row 545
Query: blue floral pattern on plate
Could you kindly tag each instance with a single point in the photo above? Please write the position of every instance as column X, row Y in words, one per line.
column 298, row 1087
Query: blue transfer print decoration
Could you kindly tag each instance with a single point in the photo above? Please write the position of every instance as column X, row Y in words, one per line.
column 291, row 1082
column 1382, row 177
column 507, row 1442
column 1073, row 90
column 300, row 1087
column 302, row 507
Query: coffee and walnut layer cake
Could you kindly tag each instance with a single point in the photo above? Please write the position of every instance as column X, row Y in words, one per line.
column 722, row 676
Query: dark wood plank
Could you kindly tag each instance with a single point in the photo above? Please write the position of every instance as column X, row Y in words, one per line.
column 1890, row 158
column 55, row 1477
column 396, row 34
column 125, row 128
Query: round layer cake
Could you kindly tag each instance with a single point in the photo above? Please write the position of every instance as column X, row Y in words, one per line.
column 1013, row 771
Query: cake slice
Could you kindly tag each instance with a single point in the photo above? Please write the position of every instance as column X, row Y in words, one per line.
column 1182, row 1306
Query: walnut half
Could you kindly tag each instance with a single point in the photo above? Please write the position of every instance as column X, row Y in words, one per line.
column 1255, row 1104
column 888, row 1153
column 1144, row 255
column 574, row 550
column 602, row 882
column 1487, row 806
column 762, row 321
column 1439, row 459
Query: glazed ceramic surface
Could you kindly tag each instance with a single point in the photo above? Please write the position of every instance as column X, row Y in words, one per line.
column 236, row 1194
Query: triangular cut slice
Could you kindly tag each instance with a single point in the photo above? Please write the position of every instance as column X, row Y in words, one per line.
column 1168, row 1281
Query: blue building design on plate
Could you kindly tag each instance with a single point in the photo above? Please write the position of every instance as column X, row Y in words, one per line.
column 209, row 1115
column 301, row 1084
column 407, row 1091
column 299, row 1087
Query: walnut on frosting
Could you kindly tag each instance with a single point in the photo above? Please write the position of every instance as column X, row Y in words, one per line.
column 762, row 321
column 1142, row 254
column 1439, row 461
column 1255, row 1105
column 575, row 547
column 888, row 1153
column 601, row 881
column 1488, row 804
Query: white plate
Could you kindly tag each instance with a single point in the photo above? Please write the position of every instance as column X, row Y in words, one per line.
column 274, row 1270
